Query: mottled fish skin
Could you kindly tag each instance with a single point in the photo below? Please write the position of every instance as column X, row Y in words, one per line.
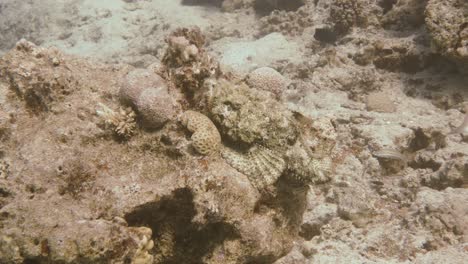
column 263, row 166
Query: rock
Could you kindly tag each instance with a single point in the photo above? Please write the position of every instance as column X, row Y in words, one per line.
column 232, row 5
column 402, row 54
column 314, row 218
column 446, row 22
column 84, row 240
column 442, row 213
column 406, row 14
column 355, row 204
column 35, row 78
column 456, row 255
column 205, row 138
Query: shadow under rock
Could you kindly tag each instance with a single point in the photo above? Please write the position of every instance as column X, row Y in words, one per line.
column 177, row 239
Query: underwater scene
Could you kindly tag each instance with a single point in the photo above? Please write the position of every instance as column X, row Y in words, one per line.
column 234, row 131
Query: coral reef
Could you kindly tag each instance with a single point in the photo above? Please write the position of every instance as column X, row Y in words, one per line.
column 362, row 160
column 142, row 255
column 205, row 138
column 40, row 89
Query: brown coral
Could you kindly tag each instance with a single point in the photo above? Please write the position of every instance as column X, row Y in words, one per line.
column 205, row 138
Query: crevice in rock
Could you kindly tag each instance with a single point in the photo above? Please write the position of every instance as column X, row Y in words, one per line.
column 387, row 5
column 420, row 141
column 309, row 231
column 429, row 164
column 289, row 201
column 326, row 35
column 176, row 238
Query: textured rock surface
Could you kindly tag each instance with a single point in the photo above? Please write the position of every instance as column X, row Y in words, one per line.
column 447, row 23
column 288, row 23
